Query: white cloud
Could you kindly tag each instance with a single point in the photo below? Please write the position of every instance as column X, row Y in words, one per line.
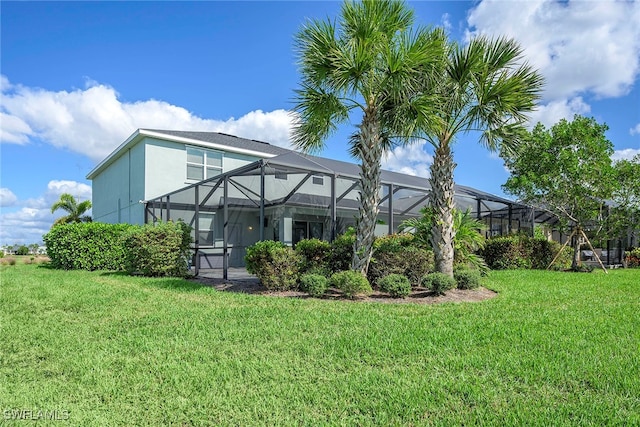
column 34, row 217
column 625, row 154
column 579, row 46
column 77, row 189
column 411, row 160
column 13, row 129
column 5, row 84
column 94, row 121
column 25, row 226
column 635, row 130
column 554, row 111
column 7, row 198
column 445, row 20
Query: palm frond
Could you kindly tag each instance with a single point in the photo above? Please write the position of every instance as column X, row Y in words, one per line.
column 317, row 115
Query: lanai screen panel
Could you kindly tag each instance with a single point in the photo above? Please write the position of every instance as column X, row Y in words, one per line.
column 407, row 203
column 347, row 202
column 297, row 203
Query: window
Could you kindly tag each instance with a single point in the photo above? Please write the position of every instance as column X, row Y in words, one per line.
column 281, row 175
column 203, row 164
column 318, row 180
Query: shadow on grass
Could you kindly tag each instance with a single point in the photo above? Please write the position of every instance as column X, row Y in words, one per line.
column 115, row 273
column 173, row 283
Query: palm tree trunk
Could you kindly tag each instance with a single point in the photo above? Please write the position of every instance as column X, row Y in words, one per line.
column 370, row 153
column 442, row 190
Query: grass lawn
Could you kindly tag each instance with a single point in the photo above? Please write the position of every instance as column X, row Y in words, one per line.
column 108, row 349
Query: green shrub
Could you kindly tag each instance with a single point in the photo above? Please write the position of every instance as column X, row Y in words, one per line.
column 632, row 258
column 396, row 285
column 160, row 249
column 315, row 255
column 87, row 246
column 351, row 283
column 341, row 256
column 314, row 284
column 467, row 279
column 22, row 250
column 412, row 262
column 519, row 251
column 438, row 283
column 274, row 263
column 584, row 268
column 564, row 260
column 1, row 254
column 393, row 242
column 504, row 253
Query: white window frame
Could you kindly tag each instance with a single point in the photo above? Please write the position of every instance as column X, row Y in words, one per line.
column 206, row 153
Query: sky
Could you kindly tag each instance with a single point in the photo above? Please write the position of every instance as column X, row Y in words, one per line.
column 78, row 78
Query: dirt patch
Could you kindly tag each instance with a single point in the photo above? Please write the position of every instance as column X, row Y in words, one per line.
column 417, row 296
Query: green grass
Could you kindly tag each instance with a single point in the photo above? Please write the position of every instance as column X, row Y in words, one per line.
column 551, row 349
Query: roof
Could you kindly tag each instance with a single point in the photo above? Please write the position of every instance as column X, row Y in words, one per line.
column 279, row 156
column 215, row 140
column 223, row 139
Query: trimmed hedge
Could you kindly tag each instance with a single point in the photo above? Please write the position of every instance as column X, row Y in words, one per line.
column 519, row 251
column 153, row 250
column 275, row 264
column 87, row 246
column 160, row 249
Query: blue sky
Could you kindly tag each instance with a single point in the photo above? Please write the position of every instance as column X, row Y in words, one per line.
column 78, row 78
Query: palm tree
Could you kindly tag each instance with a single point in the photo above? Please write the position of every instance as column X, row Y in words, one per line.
column 372, row 64
column 467, row 235
column 74, row 209
column 484, row 86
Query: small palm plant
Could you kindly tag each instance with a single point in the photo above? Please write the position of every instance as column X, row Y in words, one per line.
column 468, row 235
column 468, row 239
column 75, row 211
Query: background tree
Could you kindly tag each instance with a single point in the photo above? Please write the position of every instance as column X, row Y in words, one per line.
column 370, row 65
column 566, row 170
column 623, row 216
column 484, row 86
column 75, row 211
column 22, row 250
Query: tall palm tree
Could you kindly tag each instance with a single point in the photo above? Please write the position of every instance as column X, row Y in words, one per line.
column 372, row 63
column 75, row 211
column 484, row 86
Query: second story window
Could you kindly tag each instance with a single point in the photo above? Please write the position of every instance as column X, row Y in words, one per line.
column 203, row 164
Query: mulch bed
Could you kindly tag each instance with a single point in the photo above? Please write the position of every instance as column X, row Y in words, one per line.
column 417, row 296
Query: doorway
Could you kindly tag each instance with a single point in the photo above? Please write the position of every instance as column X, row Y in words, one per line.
column 307, row 230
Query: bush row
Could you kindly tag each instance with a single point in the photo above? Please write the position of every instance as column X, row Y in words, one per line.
column 314, row 265
column 520, row 251
column 152, row 250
